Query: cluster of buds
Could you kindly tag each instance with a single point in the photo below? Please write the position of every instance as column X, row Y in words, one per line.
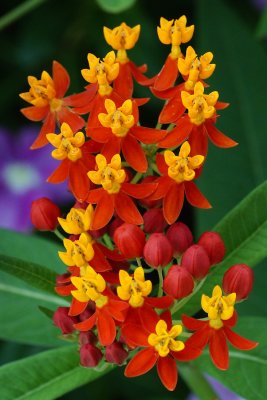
column 129, row 184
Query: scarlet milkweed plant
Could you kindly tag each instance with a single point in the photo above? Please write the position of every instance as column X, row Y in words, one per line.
column 131, row 264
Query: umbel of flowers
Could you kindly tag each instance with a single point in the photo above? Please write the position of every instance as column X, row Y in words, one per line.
column 131, row 264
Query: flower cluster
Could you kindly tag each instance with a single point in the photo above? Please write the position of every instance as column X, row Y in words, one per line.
column 130, row 263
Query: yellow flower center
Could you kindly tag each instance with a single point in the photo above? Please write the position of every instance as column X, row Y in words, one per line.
column 78, row 220
column 78, row 252
column 102, row 72
column 195, row 68
column 122, row 38
column 175, row 32
column 89, row 287
column 181, row 167
column 55, row 105
column 134, row 289
column 67, row 143
column 218, row 307
column 110, row 176
column 164, row 340
column 118, row 120
column 200, row 106
column 41, row 90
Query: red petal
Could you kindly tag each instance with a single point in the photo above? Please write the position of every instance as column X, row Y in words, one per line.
column 64, row 290
column 99, row 262
column 198, row 141
column 48, row 127
column 141, row 363
column 138, row 74
column 167, row 371
column 87, row 324
column 77, row 307
column 178, row 135
column 238, row 341
column 71, row 118
column 61, row 79
column 191, row 323
column 61, row 172
column 168, row 93
column 160, row 302
column 103, row 212
column 112, row 147
column 139, row 190
column 217, row 137
column 78, row 180
column 195, row 197
column 172, row 110
column 35, row 113
column 168, row 74
column 219, row 349
column 127, row 210
column 111, row 254
column 136, row 334
column 97, row 107
column 134, row 154
column 148, row 135
column 187, row 354
column 100, row 134
column 232, row 321
column 161, row 164
column 123, row 85
column 148, row 317
column 117, row 309
column 173, row 203
column 167, row 317
column 82, row 99
column 106, row 328
column 164, row 185
column 221, row 105
column 95, row 195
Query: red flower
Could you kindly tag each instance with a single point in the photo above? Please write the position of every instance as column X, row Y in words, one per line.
column 48, row 103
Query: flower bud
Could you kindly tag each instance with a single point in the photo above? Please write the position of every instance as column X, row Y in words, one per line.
column 44, row 214
column 196, row 260
column 180, row 237
column 178, row 282
column 87, row 337
column 90, row 355
column 116, row 353
column 154, row 220
column 130, row 240
column 112, row 226
column 63, row 321
column 238, row 279
column 214, row 246
column 158, row 251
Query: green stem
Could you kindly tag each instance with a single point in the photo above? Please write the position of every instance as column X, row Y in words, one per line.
column 58, row 234
column 158, row 126
column 138, row 260
column 19, row 12
column 137, row 177
column 160, row 289
column 107, row 241
column 170, row 127
column 197, row 382
column 181, row 303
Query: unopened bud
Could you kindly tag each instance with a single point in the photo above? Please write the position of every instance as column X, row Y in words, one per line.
column 214, row 246
column 158, row 251
column 196, row 260
column 154, row 221
column 178, row 282
column 130, row 240
column 180, row 237
column 116, row 353
column 44, row 214
column 238, row 279
column 90, row 355
column 63, row 321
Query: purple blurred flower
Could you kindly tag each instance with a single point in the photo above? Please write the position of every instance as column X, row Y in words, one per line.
column 259, row 4
column 221, row 390
column 23, row 174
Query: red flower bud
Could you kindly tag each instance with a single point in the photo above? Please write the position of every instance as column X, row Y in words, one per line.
column 87, row 337
column 44, row 214
column 196, row 260
column 130, row 240
column 238, row 279
column 63, row 321
column 114, row 225
column 214, row 246
column 116, row 353
column 178, row 282
column 158, row 251
column 90, row 355
column 154, row 220
column 180, row 237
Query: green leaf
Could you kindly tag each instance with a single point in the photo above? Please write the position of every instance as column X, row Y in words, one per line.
column 115, row 6
column 262, row 25
column 45, row 376
column 250, row 382
column 244, row 231
column 240, row 77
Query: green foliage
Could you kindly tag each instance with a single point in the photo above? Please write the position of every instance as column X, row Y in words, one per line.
column 247, row 373
column 115, row 6
column 262, row 26
column 45, row 376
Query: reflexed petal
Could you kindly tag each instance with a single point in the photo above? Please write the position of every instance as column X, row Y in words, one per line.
column 194, row 196
column 61, row 172
column 35, row 113
column 78, row 180
column 219, row 349
column 187, row 354
column 48, row 126
column 106, row 328
column 127, row 210
column 135, row 334
column 172, row 110
column 198, row 141
column 77, row 307
column 111, row 147
column 238, row 341
column 173, row 203
column 217, row 137
column 200, row 338
column 160, row 302
column 191, row 323
column 141, row 363
column 100, row 134
column 134, row 154
column 139, row 190
column 87, row 324
column 68, row 116
column 178, row 135
column 167, row 371
column 168, row 74
column 61, row 79
column 103, row 212
column 123, row 85
column 148, row 135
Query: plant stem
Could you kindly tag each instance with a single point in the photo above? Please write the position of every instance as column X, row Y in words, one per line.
column 137, row 177
column 159, row 125
column 107, row 241
column 19, row 12
column 197, row 382
column 160, row 290
column 58, row 234
column 138, row 260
